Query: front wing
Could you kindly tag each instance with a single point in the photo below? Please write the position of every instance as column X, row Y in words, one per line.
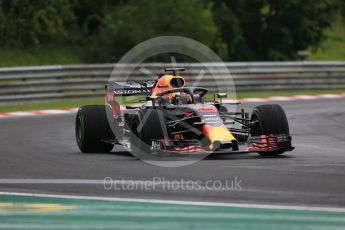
column 260, row 144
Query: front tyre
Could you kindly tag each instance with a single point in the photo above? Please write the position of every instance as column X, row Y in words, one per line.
column 151, row 127
column 269, row 119
column 91, row 128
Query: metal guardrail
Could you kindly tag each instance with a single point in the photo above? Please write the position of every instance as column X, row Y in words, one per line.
column 74, row 81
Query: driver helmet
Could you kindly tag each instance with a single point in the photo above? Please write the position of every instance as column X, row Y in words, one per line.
column 166, row 82
column 181, row 99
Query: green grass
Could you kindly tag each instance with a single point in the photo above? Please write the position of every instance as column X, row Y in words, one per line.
column 39, row 56
column 333, row 48
column 69, row 103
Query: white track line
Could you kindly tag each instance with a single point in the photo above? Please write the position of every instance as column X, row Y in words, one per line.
column 19, row 114
column 57, row 111
column 49, row 181
column 178, row 202
column 281, row 98
column 330, row 96
column 86, row 181
column 109, row 183
column 253, row 99
column 231, row 101
column 304, row 97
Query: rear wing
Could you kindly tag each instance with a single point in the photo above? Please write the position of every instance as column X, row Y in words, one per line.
column 129, row 88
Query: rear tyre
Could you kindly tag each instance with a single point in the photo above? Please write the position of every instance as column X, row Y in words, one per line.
column 269, row 119
column 91, row 128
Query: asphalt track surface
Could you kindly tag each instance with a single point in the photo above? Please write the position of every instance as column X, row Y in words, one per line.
column 43, row 147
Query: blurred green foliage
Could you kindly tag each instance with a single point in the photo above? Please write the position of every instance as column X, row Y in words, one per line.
column 31, row 23
column 272, row 29
column 333, row 47
column 127, row 24
column 104, row 30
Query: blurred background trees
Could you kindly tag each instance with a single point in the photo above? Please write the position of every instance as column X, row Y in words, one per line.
column 78, row 31
column 31, row 23
column 272, row 29
column 131, row 22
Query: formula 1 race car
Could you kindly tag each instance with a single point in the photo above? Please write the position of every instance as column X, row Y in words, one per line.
column 177, row 119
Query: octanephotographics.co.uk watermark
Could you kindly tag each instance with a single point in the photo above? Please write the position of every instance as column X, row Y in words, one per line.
column 161, row 183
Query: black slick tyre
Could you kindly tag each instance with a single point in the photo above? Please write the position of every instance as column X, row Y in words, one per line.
column 91, row 128
column 269, row 119
column 151, row 128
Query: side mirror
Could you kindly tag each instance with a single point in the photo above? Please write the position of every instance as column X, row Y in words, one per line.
column 151, row 98
column 221, row 95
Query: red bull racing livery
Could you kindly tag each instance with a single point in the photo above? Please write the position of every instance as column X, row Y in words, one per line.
column 177, row 119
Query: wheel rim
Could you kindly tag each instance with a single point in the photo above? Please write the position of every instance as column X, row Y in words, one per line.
column 80, row 129
column 256, row 129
